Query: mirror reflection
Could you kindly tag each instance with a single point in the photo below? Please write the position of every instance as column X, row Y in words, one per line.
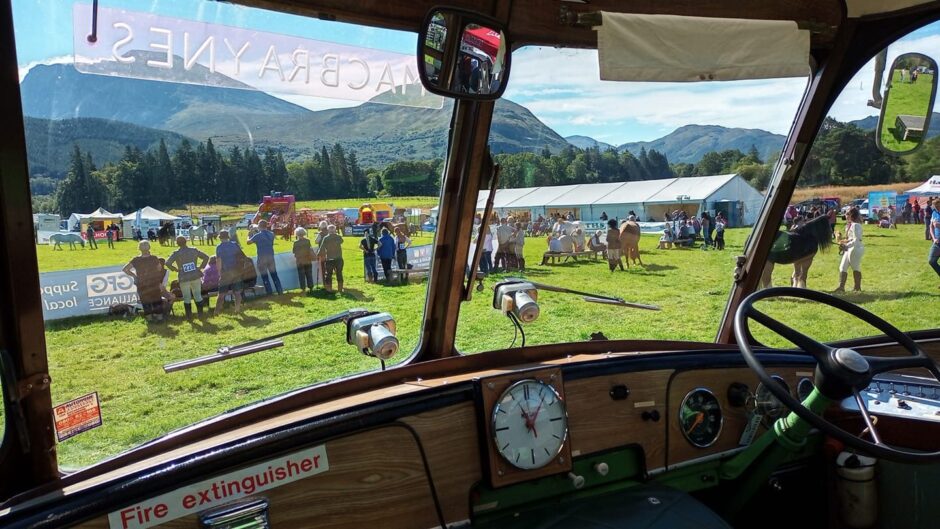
column 469, row 62
column 909, row 92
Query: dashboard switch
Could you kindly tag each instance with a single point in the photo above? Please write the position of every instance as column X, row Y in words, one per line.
column 601, row 468
column 650, row 416
column 576, row 480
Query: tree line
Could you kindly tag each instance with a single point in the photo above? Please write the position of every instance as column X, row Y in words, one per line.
column 204, row 175
column 843, row 154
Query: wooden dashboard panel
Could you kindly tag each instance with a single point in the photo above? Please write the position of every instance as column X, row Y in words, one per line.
column 735, row 418
column 597, row 422
column 377, row 478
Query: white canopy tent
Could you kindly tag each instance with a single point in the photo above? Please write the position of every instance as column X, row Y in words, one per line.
column 148, row 218
column 80, row 221
column 930, row 187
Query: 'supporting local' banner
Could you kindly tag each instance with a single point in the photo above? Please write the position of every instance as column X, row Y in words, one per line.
column 91, row 291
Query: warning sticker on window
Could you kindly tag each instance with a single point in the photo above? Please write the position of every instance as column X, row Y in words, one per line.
column 77, row 416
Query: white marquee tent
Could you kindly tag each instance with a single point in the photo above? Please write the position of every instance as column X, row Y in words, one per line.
column 649, row 199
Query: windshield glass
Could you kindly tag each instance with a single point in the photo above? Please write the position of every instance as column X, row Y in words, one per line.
column 859, row 223
column 204, row 175
column 680, row 171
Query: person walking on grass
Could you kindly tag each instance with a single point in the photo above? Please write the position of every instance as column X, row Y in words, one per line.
column 934, row 255
column 853, row 249
column 110, row 236
column 613, row 245
column 303, row 255
column 188, row 262
column 229, row 256
column 90, row 235
column 264, row 240
column 331, row 252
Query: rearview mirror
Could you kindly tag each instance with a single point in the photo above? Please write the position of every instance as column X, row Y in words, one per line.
column 910, row 88
column 463, row 55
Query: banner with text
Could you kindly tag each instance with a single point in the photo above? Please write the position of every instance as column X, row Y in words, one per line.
column 161, row 48
column 91, row 291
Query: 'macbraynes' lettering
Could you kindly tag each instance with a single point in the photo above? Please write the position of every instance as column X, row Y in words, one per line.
column 150, row 46
column 209, row 493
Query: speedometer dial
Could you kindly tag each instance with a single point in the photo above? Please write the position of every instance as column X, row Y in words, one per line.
column 530, row 424
column 768, row 405
column 700, row 417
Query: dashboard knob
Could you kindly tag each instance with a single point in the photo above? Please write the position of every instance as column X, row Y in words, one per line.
column 576, row 480
column 650, row 416
column 738, row 394
column 601, row 468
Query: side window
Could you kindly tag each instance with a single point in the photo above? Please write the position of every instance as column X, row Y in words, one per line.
column 859, row 222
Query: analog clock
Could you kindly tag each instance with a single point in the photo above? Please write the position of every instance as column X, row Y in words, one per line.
column 529, row 424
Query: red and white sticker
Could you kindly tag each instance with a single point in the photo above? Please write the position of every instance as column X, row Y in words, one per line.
column 221, row 489
column 77, row 416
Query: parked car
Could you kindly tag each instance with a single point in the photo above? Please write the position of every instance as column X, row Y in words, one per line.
column 855, row 203
column 245, row 221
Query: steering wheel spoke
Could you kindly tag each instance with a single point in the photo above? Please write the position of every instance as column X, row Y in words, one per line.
column 869, row 423
column 807, row 344
column 883, row 364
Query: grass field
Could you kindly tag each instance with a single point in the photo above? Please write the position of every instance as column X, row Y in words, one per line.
column 122, row 359
column 905, row 98
column 234, row 212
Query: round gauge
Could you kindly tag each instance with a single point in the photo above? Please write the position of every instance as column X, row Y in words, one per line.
column 804, row 388
column 767, row 404
column 700, row 417
column 530, row 424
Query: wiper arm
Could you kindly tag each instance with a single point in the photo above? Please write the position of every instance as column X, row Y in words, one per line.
column 592, row 298
column 262, row 344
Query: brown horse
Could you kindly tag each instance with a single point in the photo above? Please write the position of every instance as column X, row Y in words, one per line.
column 630, row 242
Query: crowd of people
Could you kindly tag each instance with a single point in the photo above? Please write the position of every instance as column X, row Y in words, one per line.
column 684, row 231
column 230, row 274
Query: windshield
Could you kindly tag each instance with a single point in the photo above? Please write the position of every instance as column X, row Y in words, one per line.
column 644, row 192
column 861, row 223
column 205, row 175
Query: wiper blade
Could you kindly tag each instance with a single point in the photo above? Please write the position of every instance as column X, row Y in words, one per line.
column 262, row 344
column 620, row 302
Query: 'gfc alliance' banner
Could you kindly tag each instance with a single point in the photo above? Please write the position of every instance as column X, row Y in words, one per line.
column 90, row 291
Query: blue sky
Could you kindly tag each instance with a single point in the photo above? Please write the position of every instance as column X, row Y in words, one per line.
column 560, row 86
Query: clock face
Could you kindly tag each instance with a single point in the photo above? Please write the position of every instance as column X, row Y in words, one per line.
column 530, row 424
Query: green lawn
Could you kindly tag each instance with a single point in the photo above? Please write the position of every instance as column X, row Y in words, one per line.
column 906, row 99
column 122, row 359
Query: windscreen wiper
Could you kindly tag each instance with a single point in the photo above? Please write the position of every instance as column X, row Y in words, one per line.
column 373, row 334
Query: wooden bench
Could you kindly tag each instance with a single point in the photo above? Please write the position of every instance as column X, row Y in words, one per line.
column 569, row 255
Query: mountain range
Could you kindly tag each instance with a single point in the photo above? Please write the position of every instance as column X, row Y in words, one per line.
column 379, row 133
column 100, row 112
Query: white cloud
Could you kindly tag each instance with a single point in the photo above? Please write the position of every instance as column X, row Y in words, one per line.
column 563, row 88
column 61, row 59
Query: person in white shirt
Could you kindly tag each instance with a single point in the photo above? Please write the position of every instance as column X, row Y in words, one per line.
column 853, row 250
column 504, row 241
